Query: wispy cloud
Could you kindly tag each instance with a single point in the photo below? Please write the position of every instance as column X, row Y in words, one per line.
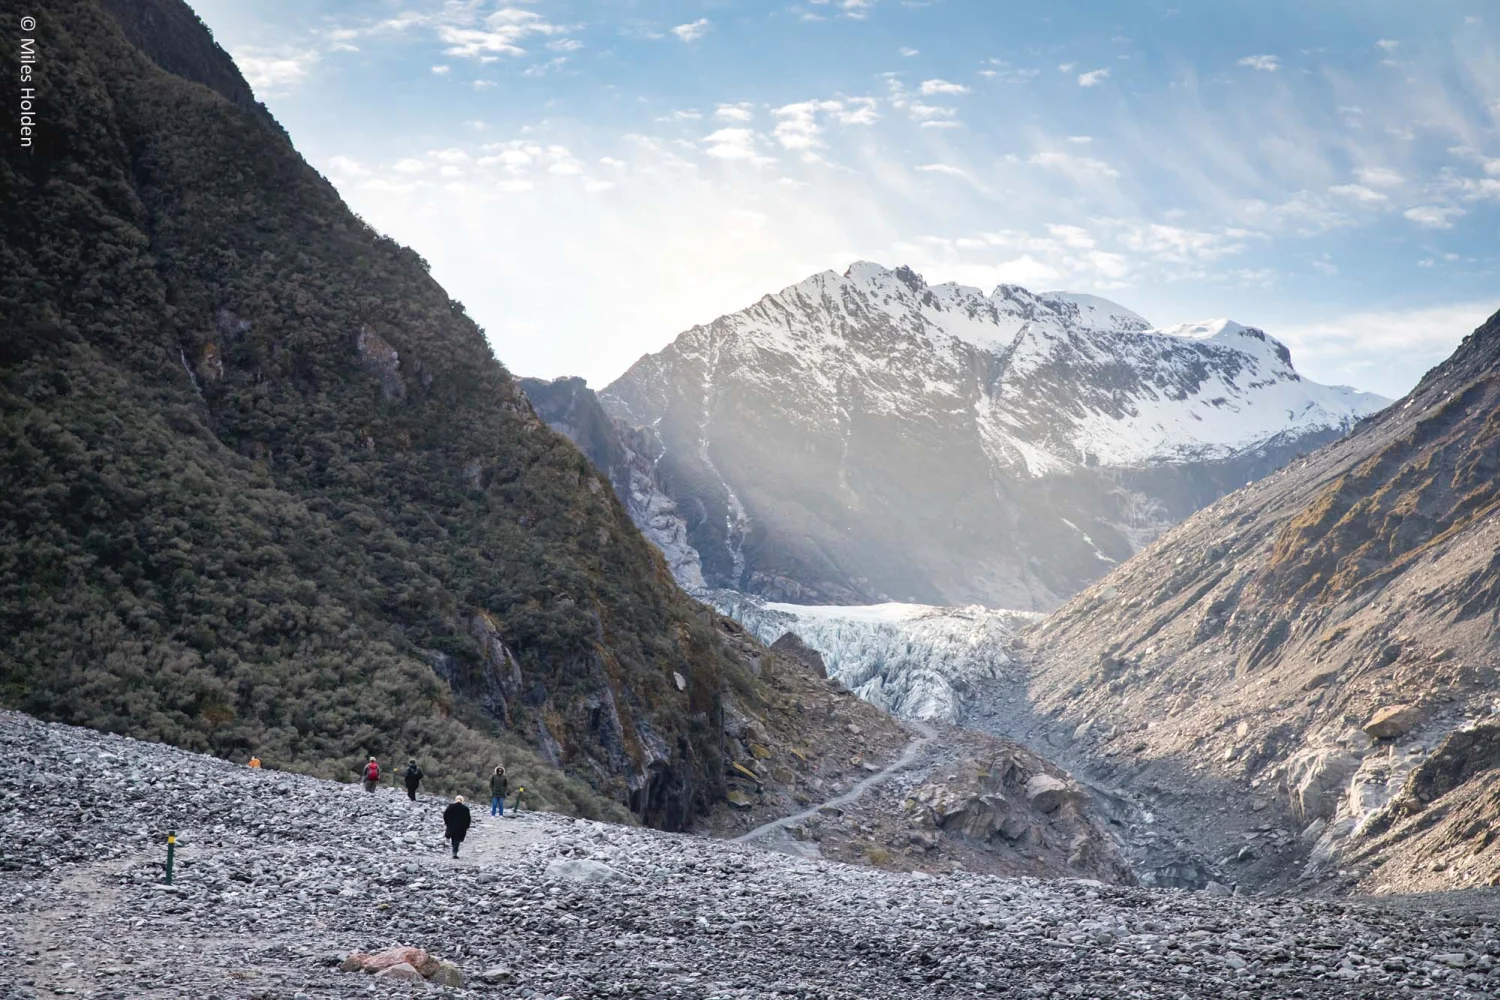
column 692, row 31
column 856, row 9
column 1358, row 192
column 738, row 144
column 269, row 73
column 798, row 126
column 744, row 111
column 1076, row 167
column 943, row 168
column 931, row 87
column 499, row 33
column 1266, row 64
column 1433, row 216
column 1380, row 177
column 1093, row 77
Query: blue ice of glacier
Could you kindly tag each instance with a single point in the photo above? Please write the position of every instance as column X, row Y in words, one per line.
column 915, row 661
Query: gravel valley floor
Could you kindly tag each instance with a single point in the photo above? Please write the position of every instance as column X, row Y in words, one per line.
column 279, row 876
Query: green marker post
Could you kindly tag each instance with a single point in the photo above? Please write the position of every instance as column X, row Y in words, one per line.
column 171, row 852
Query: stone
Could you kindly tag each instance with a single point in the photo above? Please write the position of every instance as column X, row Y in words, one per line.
column 1046, row 793
column 1316, row 778
column 793, row 648
column 1314, row 830
column 1392, row 721
column 418, row 959
column 582, row 870
column 1320, row 679
column 447, row 974
column 748, row 921
column 739, row 799
column 355, row 962
column 400, row 971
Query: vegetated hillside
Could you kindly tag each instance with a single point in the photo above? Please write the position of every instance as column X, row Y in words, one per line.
column 264, row 487
column 866, row 437
column 1313, row 650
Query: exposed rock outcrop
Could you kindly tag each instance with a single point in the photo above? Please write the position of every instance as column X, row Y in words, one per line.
column 1269, row 639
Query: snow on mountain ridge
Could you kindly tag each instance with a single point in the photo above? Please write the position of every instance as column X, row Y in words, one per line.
column 1183, row 393
column 862, row 437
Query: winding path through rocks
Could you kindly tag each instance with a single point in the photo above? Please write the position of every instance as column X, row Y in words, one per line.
column 928, row 734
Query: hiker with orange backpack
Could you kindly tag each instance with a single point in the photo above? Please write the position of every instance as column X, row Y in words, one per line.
column 372, row 775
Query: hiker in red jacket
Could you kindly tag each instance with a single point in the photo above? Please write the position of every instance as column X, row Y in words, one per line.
column 372, row 775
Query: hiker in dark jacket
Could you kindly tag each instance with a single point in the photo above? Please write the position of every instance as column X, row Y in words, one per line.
column 413, row 779
column 456, row 820
column 499, row 788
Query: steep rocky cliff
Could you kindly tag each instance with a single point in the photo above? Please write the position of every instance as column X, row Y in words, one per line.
column 1317, row 651
column 630, row 457
column 266, row 489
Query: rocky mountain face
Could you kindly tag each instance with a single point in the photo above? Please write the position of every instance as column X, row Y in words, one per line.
column 1315, row 653
column 266, row 489
column 629, row 457
column 866, row 437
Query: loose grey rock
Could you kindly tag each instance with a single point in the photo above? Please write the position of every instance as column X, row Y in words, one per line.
column 581, row 870
column 258, row 908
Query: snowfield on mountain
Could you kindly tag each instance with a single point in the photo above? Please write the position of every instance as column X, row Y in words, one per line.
column 865, row 437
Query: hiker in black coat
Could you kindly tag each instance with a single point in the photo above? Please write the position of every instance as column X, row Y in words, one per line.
column 456, row 823
column 413, row 779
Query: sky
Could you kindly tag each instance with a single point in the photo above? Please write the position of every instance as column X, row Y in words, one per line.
column 593, row 177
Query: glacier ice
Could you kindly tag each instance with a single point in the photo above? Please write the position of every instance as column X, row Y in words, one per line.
column 916, row 661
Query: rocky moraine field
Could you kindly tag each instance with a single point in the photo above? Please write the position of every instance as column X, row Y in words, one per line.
column 280, row 878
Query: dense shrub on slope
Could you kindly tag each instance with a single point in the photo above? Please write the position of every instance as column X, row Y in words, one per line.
column 263, row 487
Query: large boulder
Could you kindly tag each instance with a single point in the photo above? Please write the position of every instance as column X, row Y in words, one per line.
column 418, row 959
column 1392, row 721
column 793, row 648
column 1316, row 779
column 1046, row 793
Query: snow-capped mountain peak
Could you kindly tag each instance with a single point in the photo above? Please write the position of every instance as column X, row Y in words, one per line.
column 852, row 408
column 1095, row 313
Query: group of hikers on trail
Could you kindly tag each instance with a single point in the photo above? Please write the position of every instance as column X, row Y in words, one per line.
column 456, row 817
